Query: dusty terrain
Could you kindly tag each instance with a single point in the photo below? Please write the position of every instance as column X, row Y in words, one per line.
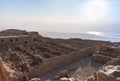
column 28, row 55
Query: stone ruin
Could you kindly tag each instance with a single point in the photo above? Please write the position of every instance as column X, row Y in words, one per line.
column 26, row 55
column 14, row 36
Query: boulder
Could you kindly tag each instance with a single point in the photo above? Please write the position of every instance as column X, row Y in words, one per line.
column 108, row 73
column 67, row 79
column 35, row 79
column 62, row 74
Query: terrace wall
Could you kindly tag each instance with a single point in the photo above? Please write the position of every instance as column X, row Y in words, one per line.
column 50, row 64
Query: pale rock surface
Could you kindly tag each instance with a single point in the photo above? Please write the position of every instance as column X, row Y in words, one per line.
column 108, row 73
column 35, row 79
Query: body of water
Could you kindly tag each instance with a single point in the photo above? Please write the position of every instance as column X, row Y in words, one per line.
column 93, row 35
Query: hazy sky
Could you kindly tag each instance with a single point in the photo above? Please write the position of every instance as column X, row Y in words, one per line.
column 61, row 15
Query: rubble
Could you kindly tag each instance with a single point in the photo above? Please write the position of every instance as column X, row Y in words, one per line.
column 24, row 55
column 108, row 73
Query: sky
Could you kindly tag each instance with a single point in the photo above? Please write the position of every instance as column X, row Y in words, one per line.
column 61, row 15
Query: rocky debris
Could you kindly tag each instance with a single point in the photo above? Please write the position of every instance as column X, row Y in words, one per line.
column 110, row 51
column 62, row 74
column 105, row 53
column 24, row 77
column 114, row 61
column 101, row 58
column 35, row 79
column 22, row 58
column 67, row 79
column 48, row 80
column 108, row 73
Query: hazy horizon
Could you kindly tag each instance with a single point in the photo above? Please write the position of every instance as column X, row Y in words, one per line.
column 73, row 16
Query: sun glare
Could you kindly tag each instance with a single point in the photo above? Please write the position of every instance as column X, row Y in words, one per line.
column 95, row 33
column 96, row 9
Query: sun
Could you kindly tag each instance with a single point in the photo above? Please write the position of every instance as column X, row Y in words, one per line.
column 96, row 9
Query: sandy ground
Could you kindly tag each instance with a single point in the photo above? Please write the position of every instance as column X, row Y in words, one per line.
column 79, row 70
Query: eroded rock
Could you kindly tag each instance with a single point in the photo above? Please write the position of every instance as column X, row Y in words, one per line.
column 108, row 73
column 62, row 74
column 67, row 79
column 35, row 79
column 101, row 58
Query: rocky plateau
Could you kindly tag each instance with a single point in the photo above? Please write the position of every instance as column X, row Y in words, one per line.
column 28, row 56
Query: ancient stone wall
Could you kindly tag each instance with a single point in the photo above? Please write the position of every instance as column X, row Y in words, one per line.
column 19, row 39
column 50, row 64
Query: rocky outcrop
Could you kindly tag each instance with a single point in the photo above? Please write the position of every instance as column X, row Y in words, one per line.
column 105, row 54
column 109, row 50
column 62, row 74
column 101, row 58
column 108, row 73
column 114, row 61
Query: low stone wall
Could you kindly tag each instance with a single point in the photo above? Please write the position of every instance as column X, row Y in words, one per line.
column 17, row 40
column 101, row 58
column 59, row 61
column 22, row 39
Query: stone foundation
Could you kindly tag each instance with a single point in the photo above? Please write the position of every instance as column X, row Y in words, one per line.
column 56, row 62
